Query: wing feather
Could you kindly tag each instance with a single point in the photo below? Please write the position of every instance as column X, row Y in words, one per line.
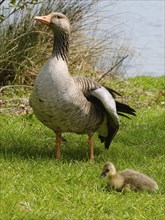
column 104, row 99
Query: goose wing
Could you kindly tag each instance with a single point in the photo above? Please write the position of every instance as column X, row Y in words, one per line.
column 87, row 86
column 103, row 99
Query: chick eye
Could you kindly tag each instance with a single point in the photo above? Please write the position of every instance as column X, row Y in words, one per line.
column 107, row 170
column 59, row 17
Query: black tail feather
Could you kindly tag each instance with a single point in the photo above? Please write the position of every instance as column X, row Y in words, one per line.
column 112, row 130
column 112, row 92
column 121, row 107
column 102, row 139
column 123, row 115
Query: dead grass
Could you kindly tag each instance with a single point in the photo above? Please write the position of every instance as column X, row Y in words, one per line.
column 26, row 45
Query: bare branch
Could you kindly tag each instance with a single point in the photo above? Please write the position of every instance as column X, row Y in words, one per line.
column 11, row 86
column 112, row 68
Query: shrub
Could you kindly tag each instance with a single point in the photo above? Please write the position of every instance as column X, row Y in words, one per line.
column 25, row 46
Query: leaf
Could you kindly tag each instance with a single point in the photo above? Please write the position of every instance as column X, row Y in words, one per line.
column 12, row 2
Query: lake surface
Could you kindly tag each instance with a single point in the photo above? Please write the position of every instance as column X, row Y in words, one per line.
column 143, row 24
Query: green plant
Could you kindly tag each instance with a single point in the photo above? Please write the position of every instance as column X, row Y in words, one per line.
column 25, row 45
column 36, row 186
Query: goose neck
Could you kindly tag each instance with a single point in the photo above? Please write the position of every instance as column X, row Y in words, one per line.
column 61, row 45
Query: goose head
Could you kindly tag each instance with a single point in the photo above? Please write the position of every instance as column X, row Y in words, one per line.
column 108, row 170
column 58, row 22
column 60, row 26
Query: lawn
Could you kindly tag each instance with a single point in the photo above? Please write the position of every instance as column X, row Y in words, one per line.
column 36, row 186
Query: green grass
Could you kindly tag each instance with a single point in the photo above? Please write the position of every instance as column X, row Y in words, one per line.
column 71, row 188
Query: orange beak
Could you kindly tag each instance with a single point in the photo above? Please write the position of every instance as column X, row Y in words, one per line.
column 43, row 19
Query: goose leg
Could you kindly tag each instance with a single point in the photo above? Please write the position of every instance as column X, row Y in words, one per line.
column 58, row 144
column 90, row 141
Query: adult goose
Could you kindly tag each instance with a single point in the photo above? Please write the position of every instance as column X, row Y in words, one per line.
column 72, row 104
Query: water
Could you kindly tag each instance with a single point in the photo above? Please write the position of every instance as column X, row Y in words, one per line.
column 143, row 25
column 143, row 22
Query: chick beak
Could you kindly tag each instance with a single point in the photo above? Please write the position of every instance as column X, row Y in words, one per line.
column 103, row 174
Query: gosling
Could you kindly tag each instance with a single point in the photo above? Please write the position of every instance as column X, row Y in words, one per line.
column 127, row 179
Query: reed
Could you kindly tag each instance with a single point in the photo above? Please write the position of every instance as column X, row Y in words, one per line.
column 25, row 46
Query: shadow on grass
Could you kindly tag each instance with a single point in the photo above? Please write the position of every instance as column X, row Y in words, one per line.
column 70, row 151
column 24, row 137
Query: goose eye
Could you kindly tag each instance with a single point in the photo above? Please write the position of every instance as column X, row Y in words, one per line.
column 59, row 17
column 107, row 170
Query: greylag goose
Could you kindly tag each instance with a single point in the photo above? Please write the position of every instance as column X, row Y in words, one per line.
column 73, row 104
column 127, row 179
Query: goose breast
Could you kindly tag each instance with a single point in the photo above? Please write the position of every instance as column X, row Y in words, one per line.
column 59, row 103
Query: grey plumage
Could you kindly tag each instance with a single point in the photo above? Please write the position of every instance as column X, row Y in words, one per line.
column 72, row 104
column 128, row 179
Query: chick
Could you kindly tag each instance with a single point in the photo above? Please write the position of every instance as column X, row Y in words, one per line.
column 128, row 179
